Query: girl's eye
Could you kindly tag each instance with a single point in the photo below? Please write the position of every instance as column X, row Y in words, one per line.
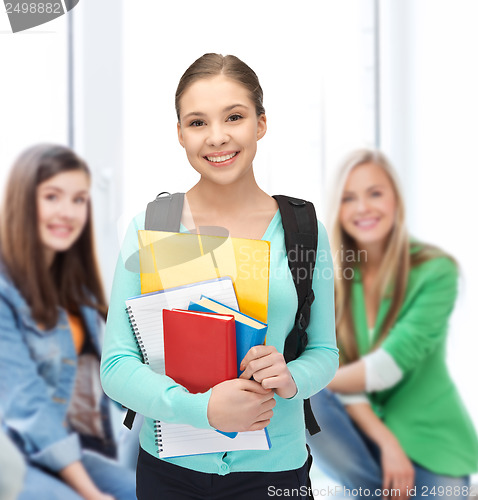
column 346, row 199
column 81, row 200
column 234, row 118
column 376, row 194
column 51, row 197
column 196, row 123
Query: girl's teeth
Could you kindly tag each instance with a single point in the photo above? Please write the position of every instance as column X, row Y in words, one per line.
column 218, row 159
column 366, row 223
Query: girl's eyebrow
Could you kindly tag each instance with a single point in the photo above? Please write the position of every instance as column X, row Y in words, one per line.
column 59, row 190
column 229, row 108
column 225, row 110
column 53, row 188
column 371, row 188
column 375, row 186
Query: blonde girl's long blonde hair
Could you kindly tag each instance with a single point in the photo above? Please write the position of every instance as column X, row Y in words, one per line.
column 395, row 266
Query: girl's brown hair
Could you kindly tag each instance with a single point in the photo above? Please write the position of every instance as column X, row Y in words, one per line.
column 73, row 278
column 400, row 256
column 210, row 65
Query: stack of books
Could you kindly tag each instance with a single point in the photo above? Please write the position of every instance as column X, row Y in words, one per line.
column 196, row 335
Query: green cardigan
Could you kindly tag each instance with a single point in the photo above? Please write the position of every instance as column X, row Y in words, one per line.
column 424, row 410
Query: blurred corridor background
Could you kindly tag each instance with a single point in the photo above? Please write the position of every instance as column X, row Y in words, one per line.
column 399, row 75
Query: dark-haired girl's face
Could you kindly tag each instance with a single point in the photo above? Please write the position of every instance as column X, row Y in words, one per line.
column 62, row 207
column 219, row 129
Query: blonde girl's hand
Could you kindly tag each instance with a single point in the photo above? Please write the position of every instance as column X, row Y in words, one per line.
column 268, row 367
column 397, row 469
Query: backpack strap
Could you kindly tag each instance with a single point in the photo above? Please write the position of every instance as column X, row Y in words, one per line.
column 162, row 214
column 301, row 237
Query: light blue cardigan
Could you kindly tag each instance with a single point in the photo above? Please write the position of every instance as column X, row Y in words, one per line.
column 127, row 380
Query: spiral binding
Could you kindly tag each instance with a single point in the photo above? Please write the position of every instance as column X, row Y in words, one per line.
column 158, row 436
column 137, row 334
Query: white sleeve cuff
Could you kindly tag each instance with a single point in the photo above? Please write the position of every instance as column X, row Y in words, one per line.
column 352, row 399
column 381, row 371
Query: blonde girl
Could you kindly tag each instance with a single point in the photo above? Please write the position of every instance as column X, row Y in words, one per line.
column 392, row 418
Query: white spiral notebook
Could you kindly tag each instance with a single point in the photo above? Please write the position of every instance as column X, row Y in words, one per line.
column 146, row 318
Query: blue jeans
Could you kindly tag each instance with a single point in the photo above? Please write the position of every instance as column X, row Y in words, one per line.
column 348, row 457
column 106, row 474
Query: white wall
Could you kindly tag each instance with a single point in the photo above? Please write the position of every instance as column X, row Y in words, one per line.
column 98, row 116
column 430, row 104
column 33, row 88
column 308, row 56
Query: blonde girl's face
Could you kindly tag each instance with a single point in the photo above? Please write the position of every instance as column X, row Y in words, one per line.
column 368, row 206
column 219, row 129
column 62, row 207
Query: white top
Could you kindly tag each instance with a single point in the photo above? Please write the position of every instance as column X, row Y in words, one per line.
column 381, row 372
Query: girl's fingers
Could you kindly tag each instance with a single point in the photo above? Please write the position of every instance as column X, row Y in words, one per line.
column 387, row 481
column 269, row 372
column 273, row 360
column 253, row 386
column 267, row 415
column 256, row 365
column 258, row 426
column 256, row 352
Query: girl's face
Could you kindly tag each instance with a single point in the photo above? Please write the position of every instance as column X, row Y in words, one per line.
column 219, row 129
column 62, row 207
column 369, row 205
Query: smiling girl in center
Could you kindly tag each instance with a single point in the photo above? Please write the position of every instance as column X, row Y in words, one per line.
column 220, row 120
column 219, row 132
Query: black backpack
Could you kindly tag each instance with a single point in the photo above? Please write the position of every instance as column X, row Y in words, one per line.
column 301, row 236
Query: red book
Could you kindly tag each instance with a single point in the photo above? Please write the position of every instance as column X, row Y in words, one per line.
column 199, row 348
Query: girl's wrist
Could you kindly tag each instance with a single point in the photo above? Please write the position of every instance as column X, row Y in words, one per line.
column 385, row 439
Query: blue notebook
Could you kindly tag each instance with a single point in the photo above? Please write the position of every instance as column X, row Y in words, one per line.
column 249, row 331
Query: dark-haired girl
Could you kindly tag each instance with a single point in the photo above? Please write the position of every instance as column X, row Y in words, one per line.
column 51, row 313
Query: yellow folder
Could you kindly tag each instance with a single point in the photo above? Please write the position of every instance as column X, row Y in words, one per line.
column 175, row 259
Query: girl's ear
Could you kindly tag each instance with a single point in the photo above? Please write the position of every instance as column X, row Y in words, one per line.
column 261, row 126
column 180, row 135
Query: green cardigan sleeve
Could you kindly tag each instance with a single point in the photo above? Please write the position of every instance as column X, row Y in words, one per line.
column 423, row 320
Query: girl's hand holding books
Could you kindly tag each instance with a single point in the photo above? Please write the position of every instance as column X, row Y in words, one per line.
column 268, row 367
column 240, row 405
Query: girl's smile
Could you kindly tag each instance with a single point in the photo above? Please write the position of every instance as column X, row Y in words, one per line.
column 222, row 158
column 368, row 223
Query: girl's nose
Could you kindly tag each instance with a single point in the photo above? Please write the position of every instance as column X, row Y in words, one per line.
column 362, row 205
column 217, row 136
column 68, row 209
